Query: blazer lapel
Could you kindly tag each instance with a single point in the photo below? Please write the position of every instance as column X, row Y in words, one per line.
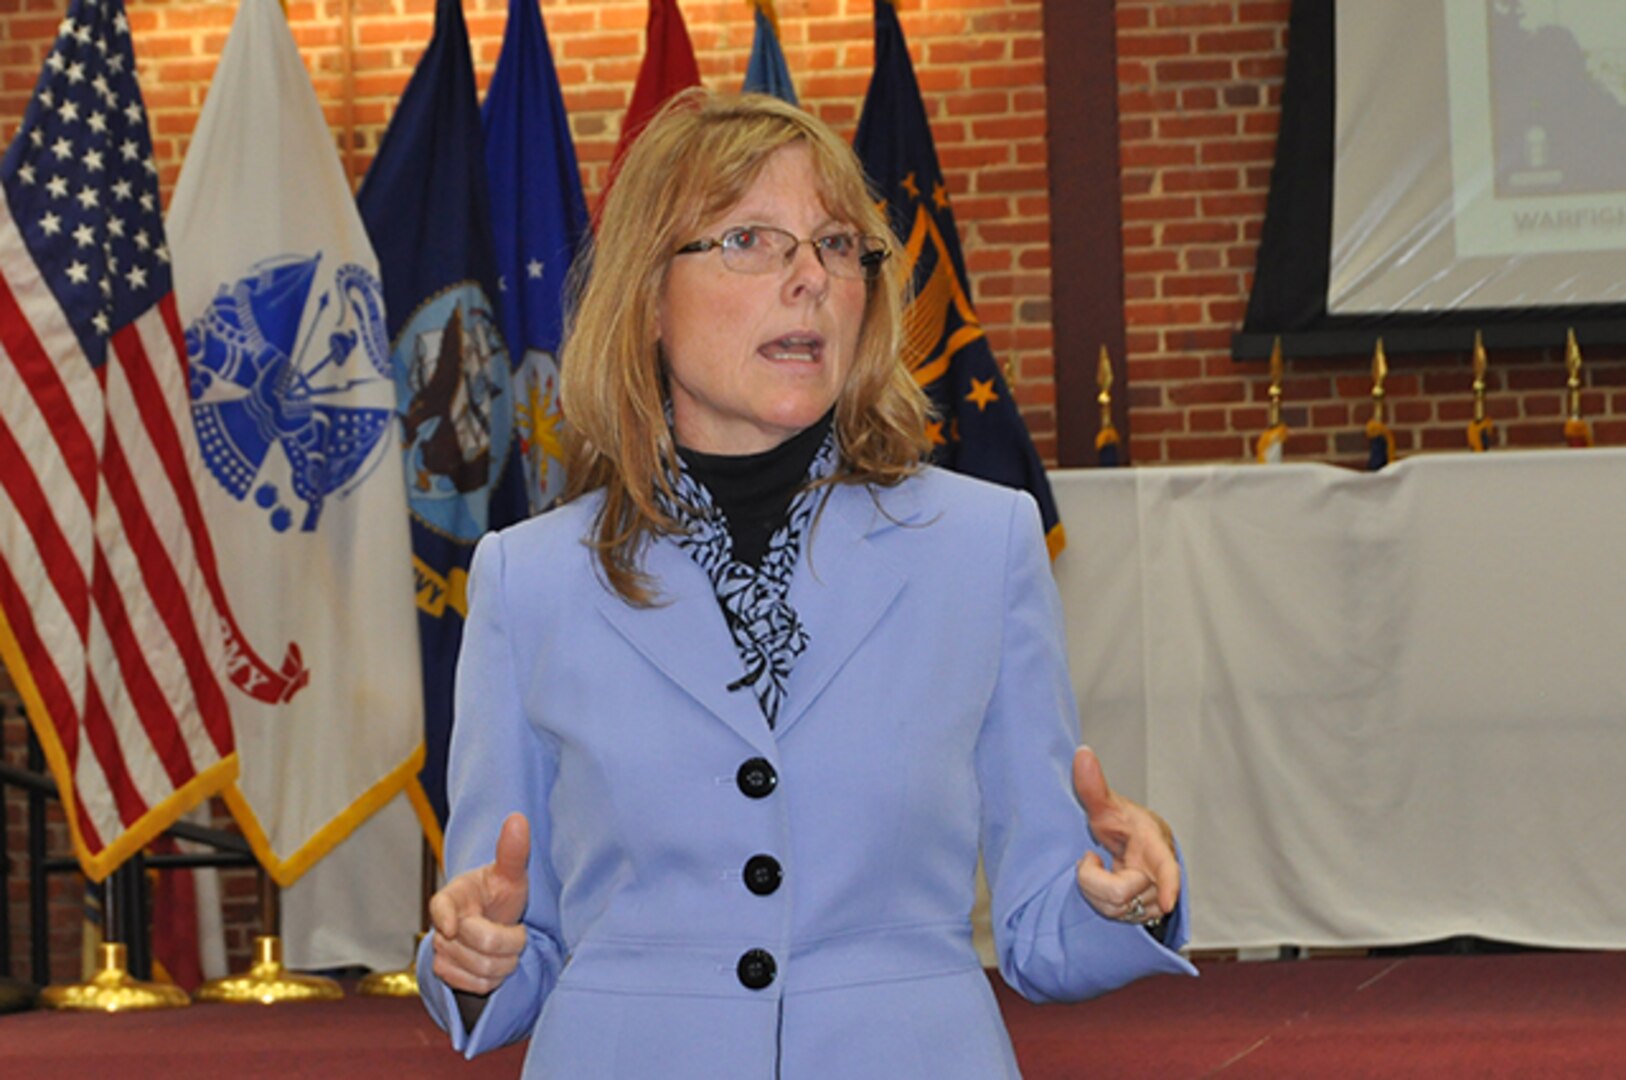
column 686, row 638
column 843, row 587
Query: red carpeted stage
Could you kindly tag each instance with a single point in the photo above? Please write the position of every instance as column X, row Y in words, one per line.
column 1514, row 1015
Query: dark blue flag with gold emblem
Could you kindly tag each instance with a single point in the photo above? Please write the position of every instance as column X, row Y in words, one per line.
column 425, row 205
column 539, row 219
column 978, row 429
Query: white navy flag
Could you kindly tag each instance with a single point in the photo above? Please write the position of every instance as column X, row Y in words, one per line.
column 294, row 407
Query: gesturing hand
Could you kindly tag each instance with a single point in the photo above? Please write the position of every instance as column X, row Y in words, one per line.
column 476, row 914
column 1144, row 882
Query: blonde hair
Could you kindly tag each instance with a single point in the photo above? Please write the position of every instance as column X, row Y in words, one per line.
column 699, row 156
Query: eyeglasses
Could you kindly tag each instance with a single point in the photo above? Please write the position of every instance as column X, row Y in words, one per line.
column 764, row 249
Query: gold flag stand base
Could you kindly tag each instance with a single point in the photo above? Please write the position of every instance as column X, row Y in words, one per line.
column 402, row 983
column 112, row 989
column 267, row 982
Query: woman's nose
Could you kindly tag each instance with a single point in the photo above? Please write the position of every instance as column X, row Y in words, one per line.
column 806, row 271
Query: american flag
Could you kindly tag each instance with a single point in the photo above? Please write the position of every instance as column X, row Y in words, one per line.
column 111, row 615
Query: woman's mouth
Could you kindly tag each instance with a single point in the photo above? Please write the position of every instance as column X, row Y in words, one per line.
column 806, row 348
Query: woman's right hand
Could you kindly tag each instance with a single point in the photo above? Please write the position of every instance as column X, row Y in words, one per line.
column 476, row 915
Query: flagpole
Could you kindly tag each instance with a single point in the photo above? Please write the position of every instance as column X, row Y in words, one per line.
column 347, row 58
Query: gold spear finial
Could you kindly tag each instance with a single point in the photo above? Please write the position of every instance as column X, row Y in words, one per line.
column 1572, row 364
column 1577, row 432
column 1380, row 371
column 1106, row 435
column 1481, row 363
column 1103, row 383
column 1276, row 382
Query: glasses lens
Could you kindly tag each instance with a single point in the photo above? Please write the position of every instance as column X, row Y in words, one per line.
column 764, row 249
column 756, row 249
column 839, row 253
column 851, row 255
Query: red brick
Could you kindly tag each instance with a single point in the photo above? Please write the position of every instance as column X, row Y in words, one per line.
column 1146, row 154
column 1188, row 71
column 1234, row 42
column 1159, row 209
column 1195, row 127
column 1199, row 285
column 1182, row 180
column 1187, row 13
column 1199, row 233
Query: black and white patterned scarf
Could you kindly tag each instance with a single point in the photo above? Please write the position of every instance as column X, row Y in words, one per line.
column 766, row 629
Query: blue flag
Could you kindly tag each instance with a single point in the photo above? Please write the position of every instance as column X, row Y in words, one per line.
column 766, row 72
column 539, row 219
column 978, row 429
column 424, row 203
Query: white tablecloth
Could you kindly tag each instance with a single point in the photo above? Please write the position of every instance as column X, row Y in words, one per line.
column 1377, row 708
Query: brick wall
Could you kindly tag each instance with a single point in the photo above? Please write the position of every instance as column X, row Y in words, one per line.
column 1199, row 97
column 980, row 65
column 1199, row 88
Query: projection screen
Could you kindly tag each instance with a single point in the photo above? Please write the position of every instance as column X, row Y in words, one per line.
column 1479, row 156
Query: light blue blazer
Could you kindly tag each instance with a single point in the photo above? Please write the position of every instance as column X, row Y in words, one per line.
column 931, row 713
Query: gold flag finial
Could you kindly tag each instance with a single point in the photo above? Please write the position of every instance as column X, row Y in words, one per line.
column 1106, row 436
column 1276, row 382
column 1481, row 363
column 1380, row 371
column 1572, row 364
column 1481, row 429
column 1577, row 432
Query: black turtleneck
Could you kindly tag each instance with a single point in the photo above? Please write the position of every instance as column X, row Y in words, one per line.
column 754, row 491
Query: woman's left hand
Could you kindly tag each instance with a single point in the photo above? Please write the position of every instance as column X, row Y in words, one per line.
column 1143, row 884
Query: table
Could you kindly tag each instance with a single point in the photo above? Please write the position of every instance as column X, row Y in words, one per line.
column 1377, row 708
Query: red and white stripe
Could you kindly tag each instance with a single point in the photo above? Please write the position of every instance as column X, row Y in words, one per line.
column 107, row 575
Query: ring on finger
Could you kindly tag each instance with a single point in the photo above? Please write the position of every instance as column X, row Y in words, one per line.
column 1136, row 911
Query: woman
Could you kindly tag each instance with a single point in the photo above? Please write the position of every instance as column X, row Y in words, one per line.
column 733, row 722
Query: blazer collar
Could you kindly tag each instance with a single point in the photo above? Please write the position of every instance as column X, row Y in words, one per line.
column 841, row 589
column 684, row 635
